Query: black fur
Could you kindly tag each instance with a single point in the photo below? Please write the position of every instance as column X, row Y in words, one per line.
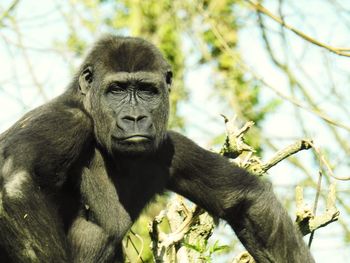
column 77, row 171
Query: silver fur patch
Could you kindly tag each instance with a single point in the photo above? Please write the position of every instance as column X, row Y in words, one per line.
column 13, row 186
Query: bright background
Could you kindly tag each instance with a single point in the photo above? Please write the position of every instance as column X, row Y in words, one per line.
column 220, row 52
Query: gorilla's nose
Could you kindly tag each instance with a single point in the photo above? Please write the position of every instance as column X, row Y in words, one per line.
column 135, row 123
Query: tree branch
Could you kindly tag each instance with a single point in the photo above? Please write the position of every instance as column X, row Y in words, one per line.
column 8, row 11
column 306, row 218
column 304, row 144
column 261, row 9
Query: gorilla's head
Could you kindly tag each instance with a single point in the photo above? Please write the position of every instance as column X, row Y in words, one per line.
column 125, row 85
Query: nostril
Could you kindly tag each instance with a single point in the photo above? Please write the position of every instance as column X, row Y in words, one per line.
column 129, row 118
column 134, row 118
column 141, row 117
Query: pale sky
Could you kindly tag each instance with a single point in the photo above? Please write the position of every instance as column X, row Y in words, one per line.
column 202, row 114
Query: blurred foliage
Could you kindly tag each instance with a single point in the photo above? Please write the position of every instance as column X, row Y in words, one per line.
column 233, row 86
column 77, row 45
column 206, row 250
column 132, row 243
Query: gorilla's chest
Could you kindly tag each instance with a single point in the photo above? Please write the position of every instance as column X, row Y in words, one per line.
column 138, row 183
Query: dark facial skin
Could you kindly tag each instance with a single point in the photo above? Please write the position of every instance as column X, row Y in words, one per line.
column 76, row 172
column 129, row 100
column 133, row 96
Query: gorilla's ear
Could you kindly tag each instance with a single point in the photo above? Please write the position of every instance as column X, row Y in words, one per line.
column 85, row 79
column 169, row 77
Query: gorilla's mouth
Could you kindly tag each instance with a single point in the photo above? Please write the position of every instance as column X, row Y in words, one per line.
column 137, row 138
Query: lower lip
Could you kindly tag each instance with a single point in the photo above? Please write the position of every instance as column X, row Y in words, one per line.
column 137, row 139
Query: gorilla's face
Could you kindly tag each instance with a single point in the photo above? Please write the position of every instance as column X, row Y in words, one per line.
column 129, row 104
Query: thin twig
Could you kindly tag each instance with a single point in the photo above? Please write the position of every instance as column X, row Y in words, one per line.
column 28, row 61
column 139, row 255
column 324, row 162
column 315, row 204
column 7, row 12
column 300, row 105
column 339, row 51
column 225, row 47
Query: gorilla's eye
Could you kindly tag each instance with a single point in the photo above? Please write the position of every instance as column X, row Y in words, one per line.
column 147, row 88
column 117, row 87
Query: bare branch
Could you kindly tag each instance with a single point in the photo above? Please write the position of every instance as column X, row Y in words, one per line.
column 306, row 219
column 8, row 11
column 304, row 144
column 226, row 48
column 28, row 61
column 316, row 203
column 316, row 111
column 234, row 144
column 339, row 51
column 196, row 224
column 324, row 162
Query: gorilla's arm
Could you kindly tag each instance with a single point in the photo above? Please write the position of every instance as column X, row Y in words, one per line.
column 29, row 228
column 247, row 203
column 35, row 154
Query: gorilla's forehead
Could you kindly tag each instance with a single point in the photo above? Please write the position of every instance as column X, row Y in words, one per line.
column 126, row 54
column 138, row 76
column 132, row 55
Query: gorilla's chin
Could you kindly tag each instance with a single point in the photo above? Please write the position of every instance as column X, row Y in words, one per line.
column 134, row 146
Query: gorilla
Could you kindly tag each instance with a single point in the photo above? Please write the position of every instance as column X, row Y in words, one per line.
column 77, row 171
